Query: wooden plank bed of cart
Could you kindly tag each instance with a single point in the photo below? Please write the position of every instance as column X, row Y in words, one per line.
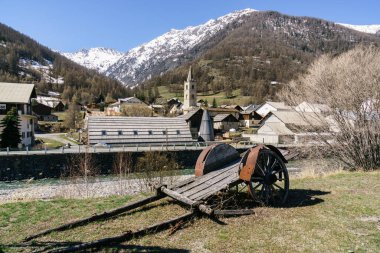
column 219, row 167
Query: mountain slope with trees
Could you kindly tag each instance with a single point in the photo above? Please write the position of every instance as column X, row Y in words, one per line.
column 22, row 59
column 265, row 51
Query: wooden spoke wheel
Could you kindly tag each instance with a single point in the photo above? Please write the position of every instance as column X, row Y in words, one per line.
column 269, row 183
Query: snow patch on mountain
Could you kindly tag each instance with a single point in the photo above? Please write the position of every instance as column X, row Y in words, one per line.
column 135, row 65
column 373, row 29
column 45, row 69
column 98, row 58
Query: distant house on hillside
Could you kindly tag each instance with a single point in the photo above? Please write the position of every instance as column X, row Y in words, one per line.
column 115, row 108
column 132, row 131
column 54, row 103
column 43, row 112
column 268, row 107
column 19, row 95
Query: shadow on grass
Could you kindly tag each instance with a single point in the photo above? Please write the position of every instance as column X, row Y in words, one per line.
column 242, row 200
column 45, row 246
column 304, row 197
column 139, row 248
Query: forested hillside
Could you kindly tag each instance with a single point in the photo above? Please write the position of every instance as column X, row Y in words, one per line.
column 22, row 59
column 268, row 49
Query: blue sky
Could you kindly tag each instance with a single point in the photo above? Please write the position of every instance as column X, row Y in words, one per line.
column 70, row 25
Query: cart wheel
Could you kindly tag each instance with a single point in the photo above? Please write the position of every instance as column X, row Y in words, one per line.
column 269, row 183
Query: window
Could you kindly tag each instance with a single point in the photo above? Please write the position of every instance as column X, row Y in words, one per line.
column 192, row 86
column 178, row 132
column 192, row 96
column 150, row 132
column 104, row 132
column 135, row 132
column 164, row 132
column 119, row 132
column 23, row 134
column 186, row 87
column 31, row 121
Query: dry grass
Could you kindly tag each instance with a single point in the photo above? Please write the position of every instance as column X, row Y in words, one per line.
column 332, row 213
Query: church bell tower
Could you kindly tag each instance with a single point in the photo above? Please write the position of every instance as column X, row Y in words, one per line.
column 190, row 92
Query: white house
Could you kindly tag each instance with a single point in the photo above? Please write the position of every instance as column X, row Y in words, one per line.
column 309, row 107
column 268, row 107
column 19, row 95
column 287, row 127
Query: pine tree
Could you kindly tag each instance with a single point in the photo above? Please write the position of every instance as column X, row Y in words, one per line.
column 156, row 91
column 214, row 105
column 10, row 137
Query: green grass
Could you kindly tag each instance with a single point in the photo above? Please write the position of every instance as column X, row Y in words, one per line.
column 61, row 115
column 50, row 143
column 334, row 213
column 219, row 97
column 63, row 136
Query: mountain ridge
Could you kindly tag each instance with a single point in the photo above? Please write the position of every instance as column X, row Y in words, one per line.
column 172, row 49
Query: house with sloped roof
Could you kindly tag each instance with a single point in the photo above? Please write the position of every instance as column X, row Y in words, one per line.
column 132, row 131
column 312, row 107
column 288, row 126
column 53, row 102
column 193, row 119
column 225, row 122
column 236, row 107
column 215, row 111
column 115, row 108
column 249, row 118
column 19, row 95
column 270, row 106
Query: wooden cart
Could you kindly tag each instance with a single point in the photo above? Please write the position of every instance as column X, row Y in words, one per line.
column 218, row 168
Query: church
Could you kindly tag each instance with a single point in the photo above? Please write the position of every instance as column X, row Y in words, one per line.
column 190, row 93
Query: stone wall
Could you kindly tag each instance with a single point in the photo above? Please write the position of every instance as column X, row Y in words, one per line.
column 19, row 167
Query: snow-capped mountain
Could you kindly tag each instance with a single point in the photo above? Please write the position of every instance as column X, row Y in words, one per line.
column 164, row 52
column 98, row 58
column 373, row 29
column 178, row 47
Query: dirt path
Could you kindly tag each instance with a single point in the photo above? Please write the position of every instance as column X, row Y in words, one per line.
column 56, row 137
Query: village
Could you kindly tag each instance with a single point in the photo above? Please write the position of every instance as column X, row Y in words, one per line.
column 165, row 126
column 172, row 122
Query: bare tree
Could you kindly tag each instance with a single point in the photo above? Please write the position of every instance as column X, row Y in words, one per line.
column 81, row 173
column 154, row 166
column 349, row 86
column 122, row 167
column 136, row 111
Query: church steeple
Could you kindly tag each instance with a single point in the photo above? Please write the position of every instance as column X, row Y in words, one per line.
column 189, row 92
column 189, row 76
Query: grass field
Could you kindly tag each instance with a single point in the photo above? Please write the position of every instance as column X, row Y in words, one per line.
column 219, row 97
column 334, row 213
column 50, row 143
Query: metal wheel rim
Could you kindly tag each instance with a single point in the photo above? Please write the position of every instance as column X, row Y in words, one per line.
column 269, row 184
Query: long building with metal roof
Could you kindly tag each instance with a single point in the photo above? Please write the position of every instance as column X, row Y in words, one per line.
column 131, row 131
